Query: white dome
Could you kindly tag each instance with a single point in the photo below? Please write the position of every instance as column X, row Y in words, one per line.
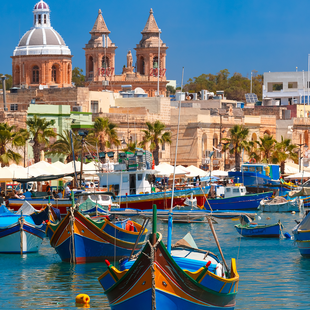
column 41, row 39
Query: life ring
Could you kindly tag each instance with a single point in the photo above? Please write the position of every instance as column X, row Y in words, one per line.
column 130, row 226
column 253, row 160
column 109, row 208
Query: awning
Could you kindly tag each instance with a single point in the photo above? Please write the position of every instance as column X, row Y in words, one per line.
column 44, row 178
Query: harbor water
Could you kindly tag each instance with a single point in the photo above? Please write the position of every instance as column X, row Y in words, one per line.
column 273, row 274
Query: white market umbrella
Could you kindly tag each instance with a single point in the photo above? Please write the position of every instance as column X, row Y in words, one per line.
column 165, row 170
column 47, row 168
column 183, row 169
column 91, row 168
column 70, row 167
column 194, row 172
column 58, row 164
column 219, row 173
column 299, row 175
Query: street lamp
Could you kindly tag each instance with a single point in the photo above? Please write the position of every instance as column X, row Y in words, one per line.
column 83, row 134
column 224, row 149
column 300, row 158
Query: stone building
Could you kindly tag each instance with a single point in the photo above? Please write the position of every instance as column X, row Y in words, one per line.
column 41, row 57
column 201, row 131
column 100, row 60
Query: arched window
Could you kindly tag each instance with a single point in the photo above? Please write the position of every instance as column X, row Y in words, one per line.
column 35, row 74
column 39, row 16
column 204, row 145
column 215, row 145
column 254, row 138
column 17, row 76
column 35, row 17
column 90, row 64
column 141, row 66
column 267, row 132
column 54, row 73
column 69, row 74
column 44, row 18
column 306, row 138
column 155, row 62
column 105, row 62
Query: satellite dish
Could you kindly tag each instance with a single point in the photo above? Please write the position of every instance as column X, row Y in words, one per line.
column 139, row 90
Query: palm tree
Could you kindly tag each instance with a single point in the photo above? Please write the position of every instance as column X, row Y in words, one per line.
column 10, row 137
column 253, row 151
column 155, row 135
column 131, row 147
column 105, row 132
column 63, row 145
column 266, row 147
column 237, row 140
column 284, row 150
column 40, row 130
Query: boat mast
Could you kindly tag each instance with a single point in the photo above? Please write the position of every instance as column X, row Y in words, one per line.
column 173, row 183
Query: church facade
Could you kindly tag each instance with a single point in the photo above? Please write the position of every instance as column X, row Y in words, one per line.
column 41, row 57
column 149, row 72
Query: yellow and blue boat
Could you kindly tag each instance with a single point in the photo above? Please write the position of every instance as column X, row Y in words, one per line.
column 81, row 239
column 301, row 234
column 176, row 281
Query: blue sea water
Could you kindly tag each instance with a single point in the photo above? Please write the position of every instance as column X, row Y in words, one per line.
column 273, row 275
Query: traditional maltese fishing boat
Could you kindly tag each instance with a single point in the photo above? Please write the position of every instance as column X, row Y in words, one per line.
column 78, row 238
column 181, row 279
column 19, row 232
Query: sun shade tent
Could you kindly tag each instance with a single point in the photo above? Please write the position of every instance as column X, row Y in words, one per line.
column 297, row 176
column 194, row 172
column 70, row 167
column 47, row 168
column 7, row 174
column 219, row 173
column 165, row 170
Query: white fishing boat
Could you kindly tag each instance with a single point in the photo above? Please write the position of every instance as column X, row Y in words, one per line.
column 280, row 204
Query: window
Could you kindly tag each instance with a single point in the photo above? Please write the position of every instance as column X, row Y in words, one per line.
column 252, row 169
column 292, row 85
column 44, row 18
column 35, row 74
column 277, row 86
column 139, row 177
column 235, row 190
column 105, row 62
column 155, row 62
column 125, row 178
column 34, row 20
column 54, row 74
column 39, row 16
column 227, row 190
column 91, row 64
column 259, row 169
column 163, row 147
column 94, row 106
column 245, row 168
column 14, row 107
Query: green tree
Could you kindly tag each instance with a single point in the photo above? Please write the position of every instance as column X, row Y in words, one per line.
column 63, row 145
column 105, row 132
column 282, row 151
column 131, row 147
column 237, row 141
column 8, row 81
column 156, row 136
column 170, row 89
column 77, row 77
column 10, row 137
column 266, row 147
column 40, row 131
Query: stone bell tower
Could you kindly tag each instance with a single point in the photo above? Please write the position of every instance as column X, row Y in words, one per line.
column 147, row 51
column 100, row 53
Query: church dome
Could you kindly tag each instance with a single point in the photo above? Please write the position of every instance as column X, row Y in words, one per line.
column 41, row 5
column 41, row 39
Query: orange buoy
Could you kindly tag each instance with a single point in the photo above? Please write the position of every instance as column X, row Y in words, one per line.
column 82, row 299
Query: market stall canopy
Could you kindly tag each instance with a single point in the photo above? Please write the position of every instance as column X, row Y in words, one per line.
column 183, row 169
column 219, row 173
column 70, row 167
column 293, row 168
column 299, row 175
column 7, row 174
column 58, row 164
column 194, row 172
column 47, row 168
column 91, row 169
column 165, row 170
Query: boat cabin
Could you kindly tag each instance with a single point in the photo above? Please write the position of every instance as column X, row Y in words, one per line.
column 269, row 170
column 123, row 183
column 228, row 191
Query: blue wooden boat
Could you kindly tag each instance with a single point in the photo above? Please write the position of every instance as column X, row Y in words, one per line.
column 301, row 234
column 235, row 198
column 80, row 239
column 260, row 176
column 184, row 279
column 246, row 228
column 19, row 233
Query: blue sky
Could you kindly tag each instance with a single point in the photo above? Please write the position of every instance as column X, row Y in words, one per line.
column 204, row 36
